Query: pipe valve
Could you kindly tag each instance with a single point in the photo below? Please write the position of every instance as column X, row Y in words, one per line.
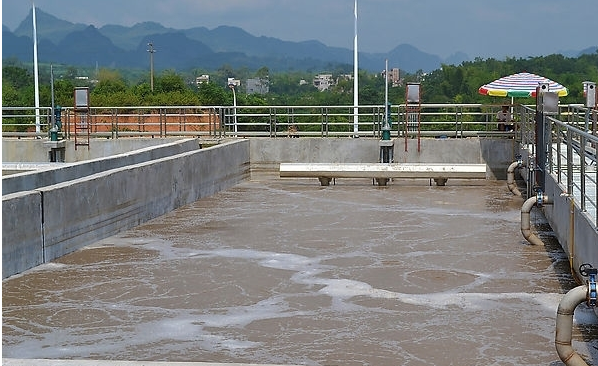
column 592, row 288
column 587, row 270
column 519, row 159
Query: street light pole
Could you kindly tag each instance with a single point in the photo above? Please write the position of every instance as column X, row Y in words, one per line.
column 232, row 87
column 355, row 80
column 151, row 51
column 35, row 73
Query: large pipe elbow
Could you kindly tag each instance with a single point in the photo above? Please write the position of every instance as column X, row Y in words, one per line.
column 564, row 326
column 526, row 226
column 511, row 177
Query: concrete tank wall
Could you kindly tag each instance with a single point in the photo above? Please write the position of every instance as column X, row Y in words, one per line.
column 579, row 241
column 35, row 151
column 78, row 212
column 56, row 173
column 498, row 154
column 22, row 237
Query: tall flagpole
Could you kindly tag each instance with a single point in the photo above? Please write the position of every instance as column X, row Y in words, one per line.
column 35, row 72
column 355, row 81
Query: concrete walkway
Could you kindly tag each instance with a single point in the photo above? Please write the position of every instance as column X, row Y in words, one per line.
column 38, row 362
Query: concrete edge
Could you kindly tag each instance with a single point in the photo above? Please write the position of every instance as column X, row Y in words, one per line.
column 45, row 362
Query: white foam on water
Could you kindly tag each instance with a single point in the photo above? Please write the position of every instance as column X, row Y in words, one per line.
column 309, row 270
column 334, row 298
column 241, row 316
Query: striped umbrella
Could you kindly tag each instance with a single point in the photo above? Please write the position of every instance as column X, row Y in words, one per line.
column 520, row 85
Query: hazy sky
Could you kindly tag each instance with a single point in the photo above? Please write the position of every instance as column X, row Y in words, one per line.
column 480, row 28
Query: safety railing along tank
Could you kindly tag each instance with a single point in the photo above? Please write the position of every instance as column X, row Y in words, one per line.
column 572, row 154
column 437, row 120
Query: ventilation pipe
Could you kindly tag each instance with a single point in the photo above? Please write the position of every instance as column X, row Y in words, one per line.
column 564, row 319
column 539, row 199
column 511, row 177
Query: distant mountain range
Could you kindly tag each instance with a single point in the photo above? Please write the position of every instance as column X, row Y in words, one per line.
column 115, row 46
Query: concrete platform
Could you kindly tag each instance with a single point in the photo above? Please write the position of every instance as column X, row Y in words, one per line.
column 382, row 172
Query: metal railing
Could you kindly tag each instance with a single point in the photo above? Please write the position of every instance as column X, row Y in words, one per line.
column 21, row 121
column 450, row 120
column 571, row 157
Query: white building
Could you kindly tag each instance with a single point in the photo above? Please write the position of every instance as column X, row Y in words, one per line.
column 323, row 81
column 394, row 77
column 202, row 79
column 257, row 86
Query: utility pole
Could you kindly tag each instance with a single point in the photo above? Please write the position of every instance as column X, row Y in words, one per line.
column 151, row 51
column 35, row 72
column 355, row 80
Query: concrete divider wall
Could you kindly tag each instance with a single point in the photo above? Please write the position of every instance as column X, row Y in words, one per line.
column 22, row 238
column 64, row 172
column 34, row 150
column 81, row 211
column 267, row 154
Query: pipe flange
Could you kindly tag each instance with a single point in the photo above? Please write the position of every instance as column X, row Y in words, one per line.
column 540, row 198
column 519, row 160
column 592, row 292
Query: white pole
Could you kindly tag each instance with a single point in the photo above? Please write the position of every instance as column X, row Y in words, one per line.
column 355, row 81
column 35, row 73
column 151, row 52
column 231, row 85
column 386, row 91
column 235, row 109
column 53, row 118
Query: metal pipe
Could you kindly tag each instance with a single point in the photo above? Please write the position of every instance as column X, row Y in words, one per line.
column 526, row 220
column 564, row 326
column 511, row 177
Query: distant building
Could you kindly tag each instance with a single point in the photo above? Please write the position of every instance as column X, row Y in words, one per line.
column 394, row 77
column 258, row 86
column 323, row 81
column 202, row 79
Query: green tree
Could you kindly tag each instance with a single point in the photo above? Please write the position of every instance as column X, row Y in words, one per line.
column 109, row 82
column 169, row 82
column 212, row 95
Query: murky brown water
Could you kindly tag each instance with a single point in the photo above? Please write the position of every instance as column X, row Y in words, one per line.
column 286, row 271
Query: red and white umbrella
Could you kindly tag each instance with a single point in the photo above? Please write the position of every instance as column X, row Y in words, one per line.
column 521, row 85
